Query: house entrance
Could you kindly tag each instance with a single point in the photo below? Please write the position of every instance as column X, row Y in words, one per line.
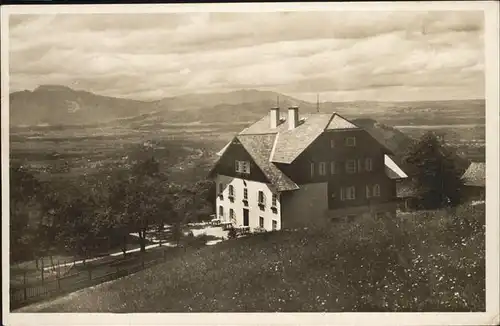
column 245, row 217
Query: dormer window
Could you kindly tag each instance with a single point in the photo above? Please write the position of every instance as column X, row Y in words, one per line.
column 242, row 167
column 350, row 141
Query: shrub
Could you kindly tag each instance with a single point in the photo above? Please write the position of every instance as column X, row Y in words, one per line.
column 232, row 233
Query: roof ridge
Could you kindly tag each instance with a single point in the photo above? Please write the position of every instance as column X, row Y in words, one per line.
column 259, row 134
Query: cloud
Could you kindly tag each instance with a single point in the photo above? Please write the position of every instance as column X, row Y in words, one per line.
column 348, row 55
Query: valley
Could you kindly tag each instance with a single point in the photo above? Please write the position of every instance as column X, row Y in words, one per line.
column 57, row 144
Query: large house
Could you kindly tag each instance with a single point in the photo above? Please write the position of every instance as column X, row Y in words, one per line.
column 289, row 171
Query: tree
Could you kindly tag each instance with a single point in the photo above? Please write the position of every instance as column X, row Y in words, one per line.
column 135, row 199
column 24, row 188
column 436, row 176
column 79, row 225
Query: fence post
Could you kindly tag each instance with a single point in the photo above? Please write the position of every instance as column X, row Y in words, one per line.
column 24, row 286
column 43, row 274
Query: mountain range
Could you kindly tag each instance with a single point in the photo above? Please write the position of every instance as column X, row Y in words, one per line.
column 61, row 105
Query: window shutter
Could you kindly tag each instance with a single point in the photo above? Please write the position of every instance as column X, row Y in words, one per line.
column 342, row 194
column 360, row 165
column 368, row 192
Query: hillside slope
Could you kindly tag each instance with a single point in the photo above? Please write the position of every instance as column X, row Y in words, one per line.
column 53, row 104
column 363, row 266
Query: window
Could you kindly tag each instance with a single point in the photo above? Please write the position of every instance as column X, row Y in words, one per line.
column 243, row 167
column 368, row 191
column 261, row 221
column 376, row 190
column 332, row 143
column 360, row 165
column 221, row 188
column 332, row 167
column 312, row 169
column 221, row 211
column 322, row 168
column 245, row 193
column 231, row 214
column 231, row 190
column 368, row 164
column 275, row 225
column 348, row 193
column 350, row 141
column 274, row 200
column 262, row 198
column 350, row 166
column 351, row 193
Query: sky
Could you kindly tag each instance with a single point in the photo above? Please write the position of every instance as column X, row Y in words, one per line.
column 342, row 56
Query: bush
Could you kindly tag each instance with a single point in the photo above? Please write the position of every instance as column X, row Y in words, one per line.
column 232, row 233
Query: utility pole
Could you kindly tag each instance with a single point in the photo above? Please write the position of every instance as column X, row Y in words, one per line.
column 277, row 101
column 317, row 103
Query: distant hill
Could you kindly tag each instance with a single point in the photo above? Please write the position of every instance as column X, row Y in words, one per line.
column 61, row 105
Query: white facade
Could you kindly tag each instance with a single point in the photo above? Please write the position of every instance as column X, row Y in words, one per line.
column 238, row 205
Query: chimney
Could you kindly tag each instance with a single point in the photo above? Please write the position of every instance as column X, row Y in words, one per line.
column 293, row 117
column 274, row 117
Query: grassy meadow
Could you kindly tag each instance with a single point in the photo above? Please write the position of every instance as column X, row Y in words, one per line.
column 431, row 261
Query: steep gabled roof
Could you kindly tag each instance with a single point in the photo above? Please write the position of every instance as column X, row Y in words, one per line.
column 291, row 143
column 475, row 175
column 268, row 145
column 340, row 123
column 260, row 148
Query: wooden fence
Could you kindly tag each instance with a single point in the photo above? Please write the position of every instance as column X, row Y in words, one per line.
column 89, row 275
